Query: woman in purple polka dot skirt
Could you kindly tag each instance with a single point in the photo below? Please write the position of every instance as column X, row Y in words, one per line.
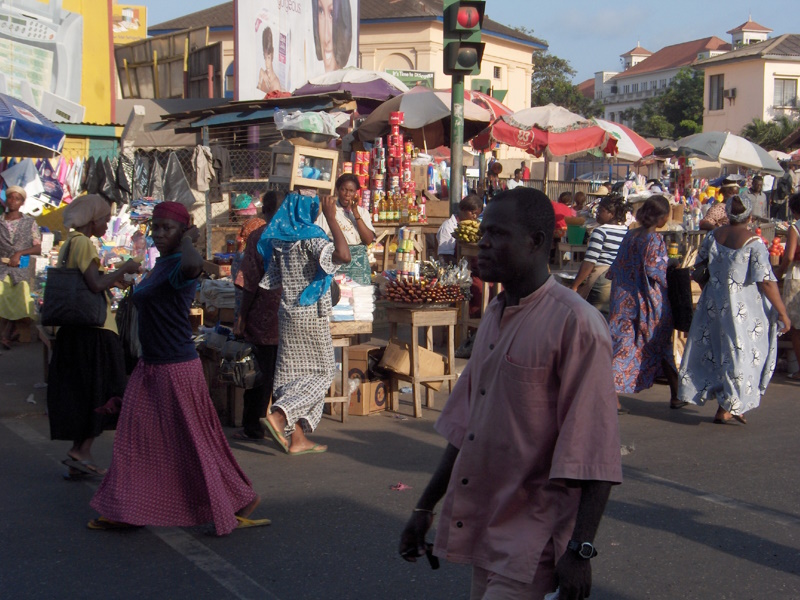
column 172, row 465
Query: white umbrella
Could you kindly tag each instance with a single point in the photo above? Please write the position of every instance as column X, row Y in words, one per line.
column 778, row 155
column 630, row 145
column 728, row 149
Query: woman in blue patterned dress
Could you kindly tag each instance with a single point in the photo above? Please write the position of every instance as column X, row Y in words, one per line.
column 640, row 316
column 299, row 258
column 732, row 344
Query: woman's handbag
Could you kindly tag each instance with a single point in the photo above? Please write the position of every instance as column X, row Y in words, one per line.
column 238, row 366
column 68, row 299
column 700, row 272
column 679, row 291
column 128, row 327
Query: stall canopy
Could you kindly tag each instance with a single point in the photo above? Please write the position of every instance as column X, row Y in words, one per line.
column 26, row 132
column 726, row 148
column 361, row 83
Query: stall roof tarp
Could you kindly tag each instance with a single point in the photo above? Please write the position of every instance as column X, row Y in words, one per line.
column 160, row 134
column 237, row 112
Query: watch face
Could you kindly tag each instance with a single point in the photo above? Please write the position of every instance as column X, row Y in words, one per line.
column 586, row 550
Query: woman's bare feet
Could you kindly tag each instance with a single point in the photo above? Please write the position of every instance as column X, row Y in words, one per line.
column 301, row 443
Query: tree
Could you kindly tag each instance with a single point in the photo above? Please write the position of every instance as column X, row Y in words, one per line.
column 677, row 112
column 769, row 134
column 552, row 82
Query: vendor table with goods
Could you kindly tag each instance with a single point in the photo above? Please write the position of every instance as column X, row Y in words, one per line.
column 427, row 318
column 414, row 249
column 343, row 333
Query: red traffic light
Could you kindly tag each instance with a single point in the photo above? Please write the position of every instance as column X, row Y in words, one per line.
column 468, row 16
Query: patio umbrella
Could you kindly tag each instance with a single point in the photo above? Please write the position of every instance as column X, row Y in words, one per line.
column 552, row 131
column 25, row 132
column 426, row 117
column 728, row 149
column 361, row 83
column 483, row 141
column 630, row 145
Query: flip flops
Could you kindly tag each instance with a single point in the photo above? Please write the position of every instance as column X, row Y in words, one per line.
column 315, row 449
column 103, row 524
column 279, row 439
column 245, row 523
column 84, row 467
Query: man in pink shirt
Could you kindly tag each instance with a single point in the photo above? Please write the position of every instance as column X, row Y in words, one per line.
column 532, row 425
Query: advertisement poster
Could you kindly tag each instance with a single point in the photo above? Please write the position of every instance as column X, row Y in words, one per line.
column 413, row 78
column 128, row 22
column 281, row 44
column 56, row 56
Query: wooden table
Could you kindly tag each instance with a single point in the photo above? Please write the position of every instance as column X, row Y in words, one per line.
column 574, row 249
column 427, row 318
column 342, row 334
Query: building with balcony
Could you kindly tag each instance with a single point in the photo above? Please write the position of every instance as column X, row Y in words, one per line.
column 758, row 80
column 648, row 74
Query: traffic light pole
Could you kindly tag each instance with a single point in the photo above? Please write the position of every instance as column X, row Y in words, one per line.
column 456, row 143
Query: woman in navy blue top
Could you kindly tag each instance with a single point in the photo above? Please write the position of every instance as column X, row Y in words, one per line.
column 172, row 465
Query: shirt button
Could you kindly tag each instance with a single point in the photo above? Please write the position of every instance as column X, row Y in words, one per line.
column 483, row 392
column 464, row 481
column 459, row 524
column 471, row 437
column 491, row 346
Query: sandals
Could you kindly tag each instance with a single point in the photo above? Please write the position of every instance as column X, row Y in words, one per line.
column 84, row 467
column 245, row 523
column 676, row 404
column 279, row 439
column 103, row 524
column 794, row 376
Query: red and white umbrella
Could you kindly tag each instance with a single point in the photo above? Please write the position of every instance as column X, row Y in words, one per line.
column 483, row 141
column 630, row 145
column 552, row 131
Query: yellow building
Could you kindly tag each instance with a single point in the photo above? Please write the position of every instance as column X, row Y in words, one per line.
column 402, row 35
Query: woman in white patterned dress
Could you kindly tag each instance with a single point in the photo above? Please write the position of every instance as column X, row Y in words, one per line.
column 731, row 352
column 299, row 258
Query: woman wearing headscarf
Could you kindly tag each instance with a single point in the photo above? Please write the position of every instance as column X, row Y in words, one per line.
column 356, row 227
column 19, row 236
column 299, row 257
column 236, row 265
column 87, row 368
column 640, row 316
column 172, row 466
column 732, row 345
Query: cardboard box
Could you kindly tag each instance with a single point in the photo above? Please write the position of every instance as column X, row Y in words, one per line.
column 397, row 358
column 419, row 174
column 437, row 208
column 216, row 270
column 370, row 397
column 359, row 359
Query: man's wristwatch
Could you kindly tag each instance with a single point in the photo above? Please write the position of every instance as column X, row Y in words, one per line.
column 584, row 550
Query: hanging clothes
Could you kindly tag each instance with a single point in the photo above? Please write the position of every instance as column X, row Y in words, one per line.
column 202, row 162
column 176, row 186
column 155, row 186
column 222, row 171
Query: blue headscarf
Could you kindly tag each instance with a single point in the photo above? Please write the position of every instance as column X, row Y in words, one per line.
column 294, row 221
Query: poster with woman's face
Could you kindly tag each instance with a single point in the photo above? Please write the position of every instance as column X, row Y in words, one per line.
column 281, row 44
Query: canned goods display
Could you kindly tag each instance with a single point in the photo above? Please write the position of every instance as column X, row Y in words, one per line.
column 394, row 130
column 347, row 167
column 396, row 118
column 378, row 143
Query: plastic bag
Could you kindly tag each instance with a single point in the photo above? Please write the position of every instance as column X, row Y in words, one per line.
column 141, row 176
column 155, row 186
column 308, row 122
column 176, row 186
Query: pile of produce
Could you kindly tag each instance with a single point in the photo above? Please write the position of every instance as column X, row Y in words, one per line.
column 467, row 231
column 422, row 290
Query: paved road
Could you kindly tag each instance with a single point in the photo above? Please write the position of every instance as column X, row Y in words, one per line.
column 706, row 512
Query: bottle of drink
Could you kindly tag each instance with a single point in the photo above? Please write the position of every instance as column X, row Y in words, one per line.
column 382, row 218
column 395, row 207
column 375, row 212
column 404, row 214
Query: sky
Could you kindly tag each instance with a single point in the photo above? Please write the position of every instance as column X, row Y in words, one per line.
column 591, row 34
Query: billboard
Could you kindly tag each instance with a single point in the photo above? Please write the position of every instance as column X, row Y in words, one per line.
column 281, row 44
column 56, row 56
column 129, row 23
column 413, row 78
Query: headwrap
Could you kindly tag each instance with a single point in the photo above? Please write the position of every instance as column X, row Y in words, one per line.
column 172, row 210
column 294, row 221
column 748, row 208
column 84, row 210
column 15, row 189
column 250, row 226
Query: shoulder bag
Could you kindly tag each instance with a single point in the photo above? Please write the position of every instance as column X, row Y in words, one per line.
column 68, row 299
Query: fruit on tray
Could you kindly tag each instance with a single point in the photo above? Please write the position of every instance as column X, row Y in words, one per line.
column 467, row 231
column 411, row 291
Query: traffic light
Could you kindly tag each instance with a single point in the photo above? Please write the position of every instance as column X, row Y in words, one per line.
column 463, row 49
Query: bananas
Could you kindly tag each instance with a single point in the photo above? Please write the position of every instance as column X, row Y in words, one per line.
column 467, row 231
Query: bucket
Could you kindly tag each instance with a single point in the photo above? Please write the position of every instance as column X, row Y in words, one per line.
column 575, row 234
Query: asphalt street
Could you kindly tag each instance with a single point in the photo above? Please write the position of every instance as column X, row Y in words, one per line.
column 706, row 511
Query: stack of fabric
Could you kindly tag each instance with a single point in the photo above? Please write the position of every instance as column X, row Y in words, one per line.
column 343, row 311
column 361, row 298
